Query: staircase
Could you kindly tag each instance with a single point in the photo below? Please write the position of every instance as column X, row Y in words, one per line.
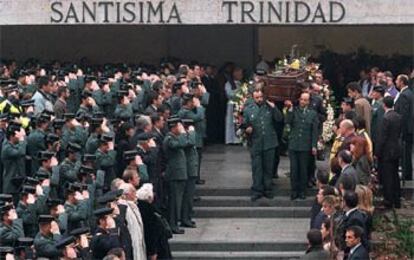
column 230, row 226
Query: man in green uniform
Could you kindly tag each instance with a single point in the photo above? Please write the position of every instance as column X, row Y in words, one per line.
column 192, row 109
column 192, row 169
column 176, row 173
column 45, row 241
column 13, row 158
column 88, row 105
column 69, row 168
column 303, row 137
column 27, row 211
column 106, row 159
column 73, row 132
column 76, row 206
column 124, row 108
column 11, row 227
column 36, row 141
column 103, row 97
column 260, row 119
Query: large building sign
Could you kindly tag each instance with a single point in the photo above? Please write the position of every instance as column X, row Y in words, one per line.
column 192, row 12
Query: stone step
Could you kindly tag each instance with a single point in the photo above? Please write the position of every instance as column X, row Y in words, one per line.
column 239, row 246
column 252, row 212
column 235, row 255
column 244, row 201
column 207, row 191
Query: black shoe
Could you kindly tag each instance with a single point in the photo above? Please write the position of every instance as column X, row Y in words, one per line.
column 269, row 196
column 188, row 225
column 196, row 198
column 178, row 231
column 293, row 196
column 200, row 182
column 255, row 197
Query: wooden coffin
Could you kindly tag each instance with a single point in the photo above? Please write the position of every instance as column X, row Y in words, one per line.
column 284, row 86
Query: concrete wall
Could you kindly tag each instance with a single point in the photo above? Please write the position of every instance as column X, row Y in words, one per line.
column 382, row 40
column 129, row 43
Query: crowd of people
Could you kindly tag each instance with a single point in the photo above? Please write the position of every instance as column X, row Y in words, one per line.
column 102, row 165
column 102, row 162
column 374, row 135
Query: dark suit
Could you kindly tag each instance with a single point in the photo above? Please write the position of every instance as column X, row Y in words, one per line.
column 404, row 107
column 348, row 172
column 388, row 151
column 150, row 110
column 360, row 253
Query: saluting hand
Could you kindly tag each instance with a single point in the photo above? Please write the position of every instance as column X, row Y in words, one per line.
column 270, row 103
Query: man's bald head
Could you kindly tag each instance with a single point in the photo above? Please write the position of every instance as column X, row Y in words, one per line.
column 346, row 127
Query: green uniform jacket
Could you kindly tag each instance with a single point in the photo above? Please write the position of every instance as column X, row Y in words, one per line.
column 68, row 172
column 104, row 101
column 86, row 111
column 176, row 160
column 77, row 214
column 106, row 162
column 197, row 115
column 77, row 135
column 35, row 144
column 176, row 103
column 10, row 234
column 303, row 129
column 28, row 214
column 263, row 120
column 45, row 246
column 122, row 111
column 13, row 159
column 92, row 144
column 191, row 155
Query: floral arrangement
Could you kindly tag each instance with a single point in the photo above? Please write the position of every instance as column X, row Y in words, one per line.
column 239, row 99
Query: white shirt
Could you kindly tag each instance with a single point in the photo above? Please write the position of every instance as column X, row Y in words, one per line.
column 398, row 95
column 350, row 211
column 354, row 248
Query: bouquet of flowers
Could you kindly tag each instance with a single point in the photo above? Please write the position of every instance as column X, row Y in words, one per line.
column 239, row 99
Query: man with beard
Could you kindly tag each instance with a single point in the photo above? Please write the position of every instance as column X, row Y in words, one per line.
column 260, row 119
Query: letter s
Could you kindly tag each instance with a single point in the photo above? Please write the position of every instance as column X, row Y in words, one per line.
column 54, row 6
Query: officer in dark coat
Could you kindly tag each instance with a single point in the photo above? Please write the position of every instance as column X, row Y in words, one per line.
column 192, row 169
column 36, row 141
column 45, row 241
column 13, row 158
column 11, row 227
column 260, row 118
column 106, row 159
column 192, row 109
column 176, row 172
column 106, row 235
column 303, row 123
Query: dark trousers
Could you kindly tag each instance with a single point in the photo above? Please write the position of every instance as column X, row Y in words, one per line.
column 299, row 162
column 406, row 161
column 199, row 152
column 311, row 167
column 188, row 200
column 388, row 170
column 262, row 171
column 175, row 199
column 277, row 161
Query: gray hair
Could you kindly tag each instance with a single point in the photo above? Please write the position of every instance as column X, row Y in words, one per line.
column 142, row 122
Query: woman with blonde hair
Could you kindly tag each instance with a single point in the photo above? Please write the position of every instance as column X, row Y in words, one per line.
column 365, row 204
